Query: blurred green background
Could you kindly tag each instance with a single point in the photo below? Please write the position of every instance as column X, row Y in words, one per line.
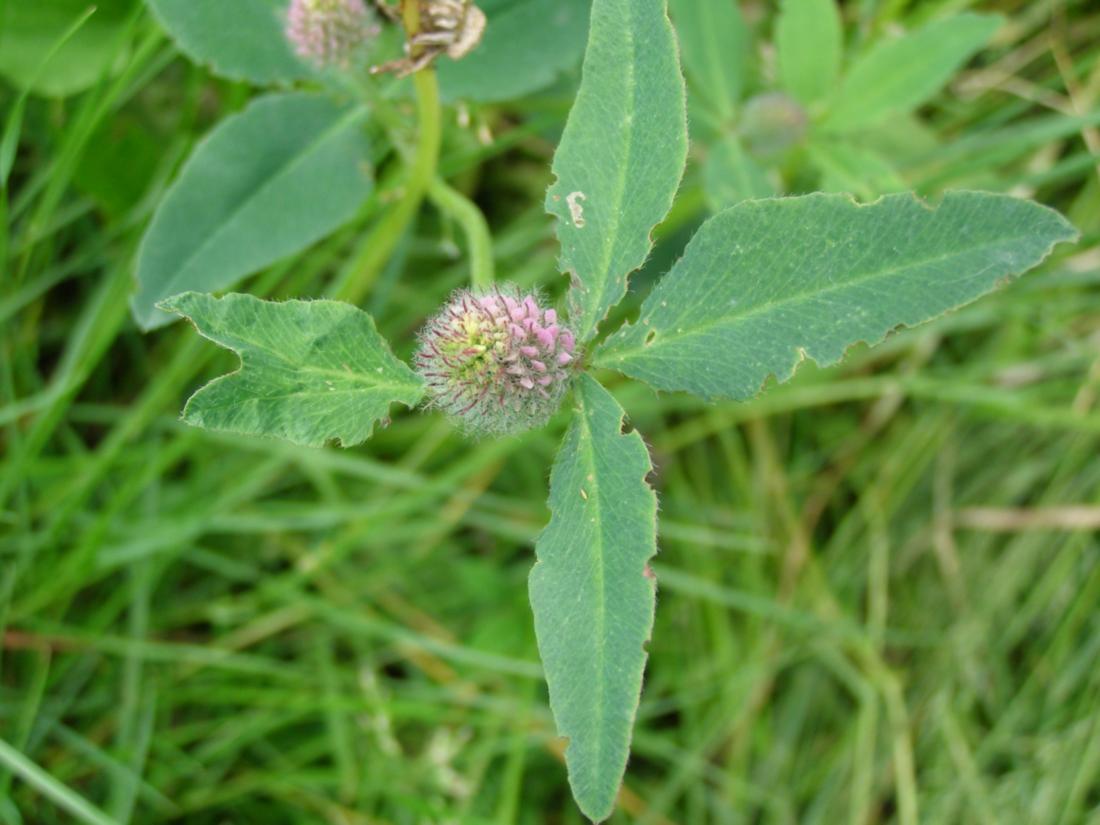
column 878, row 583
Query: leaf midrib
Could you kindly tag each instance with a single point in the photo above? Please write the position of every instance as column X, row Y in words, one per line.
column 697, row 329
column 619, row 193
column 237, row 402
column 601, row 619
column 248, row 349
column 280, row 172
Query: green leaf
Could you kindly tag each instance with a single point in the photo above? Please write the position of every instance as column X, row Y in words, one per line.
column 731, row 176
column 30, row 28
column 311, row 371
column 266, row 183
column 622, row 154
column 898, row 75
column 767, row 283
column 858, row 170
column 13, row 123
column 238, row 39
column 715, row 45
column 593, row 595
column 527, row 45
column 810, row 43
column 118, row 174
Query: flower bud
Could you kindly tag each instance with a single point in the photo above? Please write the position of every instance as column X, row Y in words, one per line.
column 772, row 123
column 329, row 32
column 496, row 362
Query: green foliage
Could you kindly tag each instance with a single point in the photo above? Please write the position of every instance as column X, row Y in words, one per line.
column 621, row 156
column 240, row 40
column 527, row 45
column 762, row 286
column 730, row 176
column 714, row 47
column 593, row 594
column 809, row 41
column 120, row 172
column 898, row 75
column 831, row 133
column 267, row 182
column 878, row 582
column 848, row 167
column 768, row 283
column 311, row 371
column 29, row 28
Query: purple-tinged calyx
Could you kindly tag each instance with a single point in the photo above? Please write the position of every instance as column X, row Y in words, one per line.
column 496, row 362
column 330, row 32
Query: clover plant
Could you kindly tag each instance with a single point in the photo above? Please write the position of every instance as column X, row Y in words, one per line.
column 762, row 286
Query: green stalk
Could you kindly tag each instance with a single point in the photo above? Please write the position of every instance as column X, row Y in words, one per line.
column 380, row 243
column 466, row 214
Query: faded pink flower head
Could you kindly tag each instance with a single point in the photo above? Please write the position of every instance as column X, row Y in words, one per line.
column 329, row 32
column 496, row 362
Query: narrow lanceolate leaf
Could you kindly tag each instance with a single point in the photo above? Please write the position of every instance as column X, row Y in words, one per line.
column 593, row 594
column 240, row 39
column 767, row 283
column 898, row 75
column 311, row 371
column 621, row 156
column 810, row 41
column 266, row 183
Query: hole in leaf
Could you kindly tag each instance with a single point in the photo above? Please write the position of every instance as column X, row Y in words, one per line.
column 649, row 337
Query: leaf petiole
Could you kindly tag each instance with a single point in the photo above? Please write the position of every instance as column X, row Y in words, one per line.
column 379, row 244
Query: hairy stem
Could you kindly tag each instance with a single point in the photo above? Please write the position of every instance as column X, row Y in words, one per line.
column 466, row 214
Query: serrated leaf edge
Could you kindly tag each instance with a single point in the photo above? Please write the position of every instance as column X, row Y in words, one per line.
column 195, row 420
column 633, row 436
column 575, row 282
column 599, row 358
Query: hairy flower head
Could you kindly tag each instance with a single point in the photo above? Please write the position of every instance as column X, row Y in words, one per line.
column 329, row 32
column 496, row 362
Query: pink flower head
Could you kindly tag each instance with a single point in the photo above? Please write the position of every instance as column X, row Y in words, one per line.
column 329, row 32
column 496, row 362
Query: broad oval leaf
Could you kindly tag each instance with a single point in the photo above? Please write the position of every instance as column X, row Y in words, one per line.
column 527, row 45
column 266, row 183
column 593, row 594
column 621, row 156
column 898, row 75
column 809, row 40
column 237, row 39
column 311, row 371
column 770, row 282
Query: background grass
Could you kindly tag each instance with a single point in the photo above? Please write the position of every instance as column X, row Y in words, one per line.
column 878, row 583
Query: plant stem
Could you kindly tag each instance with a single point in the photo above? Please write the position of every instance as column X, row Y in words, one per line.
column 466, row 214
column 380, row 242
